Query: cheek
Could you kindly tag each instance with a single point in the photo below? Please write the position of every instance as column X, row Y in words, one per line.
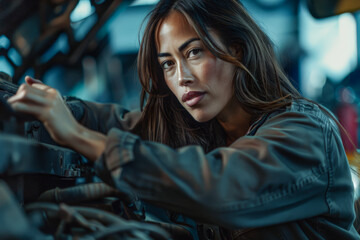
column 171, row 85
column 208, row 70
column 218, row 73
column 225, row 72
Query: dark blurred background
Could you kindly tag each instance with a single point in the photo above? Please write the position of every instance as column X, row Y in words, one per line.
column 88, row 48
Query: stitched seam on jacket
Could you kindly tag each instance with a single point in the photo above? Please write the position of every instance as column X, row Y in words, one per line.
column 330, row 164
column 239, row 206
column 317, row 172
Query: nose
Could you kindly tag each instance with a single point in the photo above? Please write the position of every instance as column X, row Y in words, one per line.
column 184, row 74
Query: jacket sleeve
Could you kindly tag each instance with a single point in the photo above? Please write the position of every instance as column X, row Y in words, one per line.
column 280, row 174
column 102, row 116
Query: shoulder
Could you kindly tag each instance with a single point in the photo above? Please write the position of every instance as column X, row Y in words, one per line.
column 305, row 114
column 312, row 109
column 301, row 125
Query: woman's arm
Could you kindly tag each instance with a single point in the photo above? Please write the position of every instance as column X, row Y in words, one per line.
column 46, row 104
column 101, row 117
column 87, row 142
column 283, row 173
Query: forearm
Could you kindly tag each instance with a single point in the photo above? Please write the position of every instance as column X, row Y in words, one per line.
column 87, row 142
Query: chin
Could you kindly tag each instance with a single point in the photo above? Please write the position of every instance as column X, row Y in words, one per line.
column 202, row 117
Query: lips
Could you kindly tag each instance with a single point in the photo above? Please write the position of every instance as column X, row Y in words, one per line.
column 192, row 98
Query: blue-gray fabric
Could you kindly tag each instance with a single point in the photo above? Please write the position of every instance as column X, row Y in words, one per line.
column 289, row 178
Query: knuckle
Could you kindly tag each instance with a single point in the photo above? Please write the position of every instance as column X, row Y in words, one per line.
column 17, row 106
column 22, row 87
column 52, row 93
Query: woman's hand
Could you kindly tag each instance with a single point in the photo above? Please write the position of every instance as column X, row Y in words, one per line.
column 46, row 104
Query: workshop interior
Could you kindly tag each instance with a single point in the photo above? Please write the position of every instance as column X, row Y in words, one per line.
column 88, row 49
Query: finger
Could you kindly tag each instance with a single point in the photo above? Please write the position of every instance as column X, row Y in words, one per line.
column 36, row 83
column 25, row 89
column 16, row 97
column 30, row 80
column 40, row 86
column 30, row 109
column 29, row 97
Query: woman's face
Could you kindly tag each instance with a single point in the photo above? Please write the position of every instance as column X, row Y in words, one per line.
column 201, row 82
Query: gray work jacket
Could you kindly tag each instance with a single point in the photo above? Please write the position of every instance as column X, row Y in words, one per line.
column 288, row 178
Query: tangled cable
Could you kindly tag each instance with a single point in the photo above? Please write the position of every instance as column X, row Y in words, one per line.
column 95, row 223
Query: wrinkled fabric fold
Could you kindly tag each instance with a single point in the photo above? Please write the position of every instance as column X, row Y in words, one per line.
column 291, row 170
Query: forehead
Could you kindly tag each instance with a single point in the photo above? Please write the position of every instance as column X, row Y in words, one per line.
column 173, row 29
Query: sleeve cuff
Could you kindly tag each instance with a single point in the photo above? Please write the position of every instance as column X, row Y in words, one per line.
column 118, row 152
column 102, row 172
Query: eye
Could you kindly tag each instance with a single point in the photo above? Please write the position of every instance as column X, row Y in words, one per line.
column 166, row 64
column 194, row 52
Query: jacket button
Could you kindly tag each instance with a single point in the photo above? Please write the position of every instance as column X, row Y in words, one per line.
column 210, row 234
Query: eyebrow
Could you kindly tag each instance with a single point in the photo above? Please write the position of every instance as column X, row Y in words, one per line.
column 181, row 48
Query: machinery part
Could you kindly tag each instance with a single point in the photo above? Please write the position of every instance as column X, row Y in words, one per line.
column 10, row 214
column 25, row 156
column 49, row 21
column 99, row 223
column 83, row 193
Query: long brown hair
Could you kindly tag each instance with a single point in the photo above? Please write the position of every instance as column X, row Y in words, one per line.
column 260, row 84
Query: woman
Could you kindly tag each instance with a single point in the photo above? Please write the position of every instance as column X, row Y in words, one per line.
column 223, row 137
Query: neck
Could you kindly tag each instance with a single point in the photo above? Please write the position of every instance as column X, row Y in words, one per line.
column 235, row 121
